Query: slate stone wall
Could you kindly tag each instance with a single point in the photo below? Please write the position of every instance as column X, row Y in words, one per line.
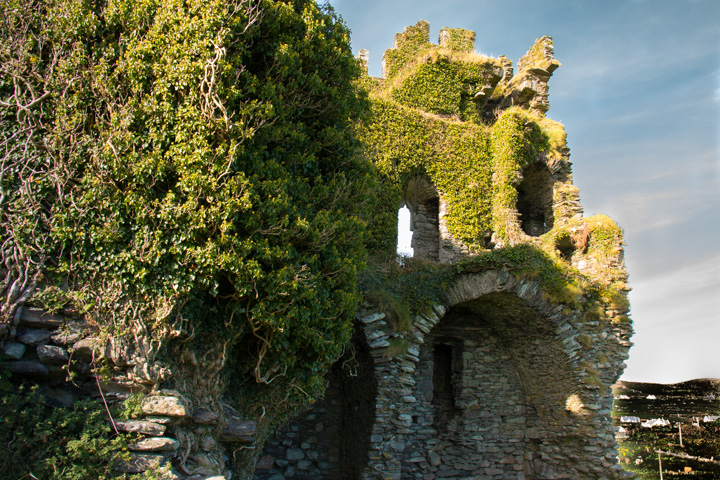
column 517, row 404
column 332, row 439
column 41, row 348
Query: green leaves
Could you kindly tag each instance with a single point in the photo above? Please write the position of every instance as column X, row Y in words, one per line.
column 209, row 174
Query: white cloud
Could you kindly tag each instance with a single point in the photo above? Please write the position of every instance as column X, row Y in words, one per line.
column 681, row 282
column 676, row 318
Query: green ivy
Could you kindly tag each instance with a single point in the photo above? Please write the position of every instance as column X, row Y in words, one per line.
column 205, row 176
column 445, row 83
column 517, row 140
column 413, row 40
column 46, row 442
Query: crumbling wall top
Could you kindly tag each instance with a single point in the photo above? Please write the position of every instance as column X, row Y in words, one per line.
column 457, row 39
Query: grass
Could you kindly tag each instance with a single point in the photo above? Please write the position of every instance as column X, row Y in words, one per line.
column 681, row 404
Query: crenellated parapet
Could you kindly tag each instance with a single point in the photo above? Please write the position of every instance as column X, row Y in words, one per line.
column 528, row 88
column 484, row 84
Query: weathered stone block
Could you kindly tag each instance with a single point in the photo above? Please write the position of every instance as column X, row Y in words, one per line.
column 69, row 333
column 52, row 354
column 28, row 368
column 238, row 432
column 164, row 405
column 295, row 454
column 265, row 462
column 14, row 350
column 140, row 462
column 83, row 349
column 155, row 444
column 37, row 318
column 33, row 336
column 205, row 417
column 139, row 426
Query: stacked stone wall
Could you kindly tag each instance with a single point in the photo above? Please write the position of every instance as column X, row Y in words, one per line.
column 522, row 407
column 43, row 349
column 331, row 439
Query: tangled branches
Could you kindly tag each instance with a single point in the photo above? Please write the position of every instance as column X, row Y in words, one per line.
column 28, row 179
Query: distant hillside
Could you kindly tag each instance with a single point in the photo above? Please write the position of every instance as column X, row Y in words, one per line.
column 697, row 387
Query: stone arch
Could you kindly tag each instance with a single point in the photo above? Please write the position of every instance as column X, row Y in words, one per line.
column 535, row 199
column 431, row 238
column 331, row 440
column 520, row 408
column 491, row 383
column 423, row 201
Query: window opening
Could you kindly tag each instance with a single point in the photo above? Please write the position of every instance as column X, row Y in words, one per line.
column 426, row 229
column 535, row 199
column 405, row 233
column 566, row 248
column 422, row 200
column 443, row 391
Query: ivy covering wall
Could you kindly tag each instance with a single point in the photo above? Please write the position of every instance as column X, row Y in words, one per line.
column 187, row 171
column 437, row 115
column 203, row 181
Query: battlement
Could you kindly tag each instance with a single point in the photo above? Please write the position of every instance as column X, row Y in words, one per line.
column 488, row 83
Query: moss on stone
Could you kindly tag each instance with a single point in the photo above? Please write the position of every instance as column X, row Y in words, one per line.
column 457, row 39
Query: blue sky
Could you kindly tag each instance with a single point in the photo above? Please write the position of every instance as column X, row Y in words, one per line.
column 639, row 94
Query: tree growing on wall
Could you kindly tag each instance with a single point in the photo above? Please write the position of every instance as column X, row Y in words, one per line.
column 186, row 170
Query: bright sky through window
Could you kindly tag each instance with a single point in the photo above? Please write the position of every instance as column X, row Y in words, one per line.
column 404, row 233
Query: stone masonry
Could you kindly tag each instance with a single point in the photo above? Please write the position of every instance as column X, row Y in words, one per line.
column 496, row 381
column 491, row 386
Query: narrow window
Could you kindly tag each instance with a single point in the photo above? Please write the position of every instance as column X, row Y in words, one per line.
column 405, row 233
column 426, row 229
column 443, row 393
column 422, row 200
column 535, row 199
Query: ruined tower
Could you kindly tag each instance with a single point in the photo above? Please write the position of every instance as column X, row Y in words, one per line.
column 492, row 352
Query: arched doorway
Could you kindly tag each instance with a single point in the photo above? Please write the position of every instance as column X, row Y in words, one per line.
column 330, row 440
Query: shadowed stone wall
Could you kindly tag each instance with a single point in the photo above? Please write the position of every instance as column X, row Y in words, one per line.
column 332, row 439
column 493, row 385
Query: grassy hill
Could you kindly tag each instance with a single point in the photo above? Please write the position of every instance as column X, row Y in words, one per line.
column 685, row 405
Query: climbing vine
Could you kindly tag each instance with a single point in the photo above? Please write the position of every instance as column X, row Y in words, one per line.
column 188, row 170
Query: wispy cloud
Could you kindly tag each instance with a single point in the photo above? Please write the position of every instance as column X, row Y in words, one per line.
column 688, row 279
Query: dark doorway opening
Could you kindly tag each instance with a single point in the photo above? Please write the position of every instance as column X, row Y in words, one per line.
column 443, row 385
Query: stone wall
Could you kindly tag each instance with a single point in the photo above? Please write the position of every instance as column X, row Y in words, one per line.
column 332, row 439
column 42, row 348
column 517, row 403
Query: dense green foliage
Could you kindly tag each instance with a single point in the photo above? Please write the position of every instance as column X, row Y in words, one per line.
column 458, row 39
column 413, row 40
column 446, row 83
column 44, row 442
column 464, row 161
column 517, row 140
column 191, row 165
column 455, row 156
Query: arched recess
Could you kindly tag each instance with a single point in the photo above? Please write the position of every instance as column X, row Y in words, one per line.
column 535, row 199
column 331, row 440
column 423, row 201
column 515, row 405
column 510, row 378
